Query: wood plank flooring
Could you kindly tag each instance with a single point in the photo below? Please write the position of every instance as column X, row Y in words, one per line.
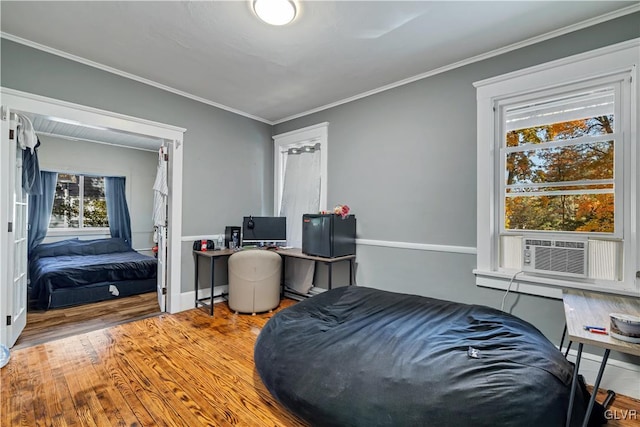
column 623, row 412
column 47, row 325
column 187, row 369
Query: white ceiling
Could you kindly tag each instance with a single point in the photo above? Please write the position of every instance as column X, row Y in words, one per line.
column 220, row 53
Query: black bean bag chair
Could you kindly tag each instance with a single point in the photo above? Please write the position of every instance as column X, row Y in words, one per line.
column 357, row 356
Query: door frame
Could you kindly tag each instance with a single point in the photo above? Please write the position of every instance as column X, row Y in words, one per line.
column 23, row 101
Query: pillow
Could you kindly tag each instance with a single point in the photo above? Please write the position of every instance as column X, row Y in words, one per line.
column 44, row 248
column 83, row 247
column 102, row 246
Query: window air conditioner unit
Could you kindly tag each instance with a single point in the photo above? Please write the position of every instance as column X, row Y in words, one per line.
column 555, row 256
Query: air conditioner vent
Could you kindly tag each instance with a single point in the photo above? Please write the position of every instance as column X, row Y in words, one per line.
column 556, row 257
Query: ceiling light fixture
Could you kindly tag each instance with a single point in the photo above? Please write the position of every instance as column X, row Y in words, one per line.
column 275, row 12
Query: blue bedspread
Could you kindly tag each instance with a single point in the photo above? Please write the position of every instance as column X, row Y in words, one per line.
column 48, row 273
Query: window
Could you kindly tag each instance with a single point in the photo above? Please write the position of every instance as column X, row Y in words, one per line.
column 79, row 202
column 558, row 166
column 312, row 139
column 559, row 163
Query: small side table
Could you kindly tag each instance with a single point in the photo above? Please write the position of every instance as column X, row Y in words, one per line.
column 587, row 308
column 212, row 255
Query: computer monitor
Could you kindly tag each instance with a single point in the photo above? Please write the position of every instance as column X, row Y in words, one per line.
column 264, row 229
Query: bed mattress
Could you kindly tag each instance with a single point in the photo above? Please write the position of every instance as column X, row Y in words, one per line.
column 88, row 265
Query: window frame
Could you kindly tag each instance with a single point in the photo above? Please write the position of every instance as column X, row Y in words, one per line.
column 557, row 76
column 502, row 104
column 81, row 229
column 318, row 133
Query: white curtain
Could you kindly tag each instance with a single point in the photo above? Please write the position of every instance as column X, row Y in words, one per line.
column 300, row 195
column 301, row 191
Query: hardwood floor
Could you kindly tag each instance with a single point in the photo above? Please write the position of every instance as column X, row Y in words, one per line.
column 187, row 369
column 47, row 325
column 623, row 412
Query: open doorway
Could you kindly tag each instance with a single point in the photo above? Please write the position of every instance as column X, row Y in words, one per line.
column 65, row 126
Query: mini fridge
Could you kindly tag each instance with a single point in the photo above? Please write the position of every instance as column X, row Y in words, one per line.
column 328, row 235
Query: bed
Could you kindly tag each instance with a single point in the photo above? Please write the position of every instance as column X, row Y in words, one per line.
column 73, row 272
column 356, row 356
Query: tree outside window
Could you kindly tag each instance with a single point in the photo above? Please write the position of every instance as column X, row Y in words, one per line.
column 559, row 175
column 79, row 202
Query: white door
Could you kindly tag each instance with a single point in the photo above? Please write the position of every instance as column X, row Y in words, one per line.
column 15, row 280
column 4, row 221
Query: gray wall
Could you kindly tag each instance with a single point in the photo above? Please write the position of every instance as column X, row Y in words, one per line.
column 139, row 168
column 228, row 160
column 418, row 143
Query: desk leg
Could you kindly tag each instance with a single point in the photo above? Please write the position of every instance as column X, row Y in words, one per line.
column 592, row 400
column 566, row 353
column 351, row 272
column 564, row 334
column 330, row 275
column 284, row 269
column 211, row 283
column 195, row 263
column 574, row 384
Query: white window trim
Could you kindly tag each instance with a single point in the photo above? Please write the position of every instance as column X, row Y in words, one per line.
column 615, row 59
column 318, row 133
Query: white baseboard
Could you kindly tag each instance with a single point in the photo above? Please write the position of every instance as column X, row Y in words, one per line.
column 188, row 299
column 621, row 377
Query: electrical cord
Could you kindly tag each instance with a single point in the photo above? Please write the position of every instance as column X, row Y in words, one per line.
column 508, row 289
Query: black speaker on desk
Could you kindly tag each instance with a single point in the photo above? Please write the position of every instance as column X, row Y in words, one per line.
column 328, row 235
column 231, row 234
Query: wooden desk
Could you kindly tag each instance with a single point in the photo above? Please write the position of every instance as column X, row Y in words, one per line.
column 590, row 309
column 212, row 255
column 284, row 254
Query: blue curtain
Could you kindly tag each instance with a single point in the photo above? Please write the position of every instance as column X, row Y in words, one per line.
column 40, row 206
column 117, row 209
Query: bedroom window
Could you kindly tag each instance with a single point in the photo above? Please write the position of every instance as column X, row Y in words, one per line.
column 79, row 202
column 558, row 175
column 302, row 154
column 558, row 163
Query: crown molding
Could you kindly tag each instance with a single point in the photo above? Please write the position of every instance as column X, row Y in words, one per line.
column 528, row 42
column 124, row 74
column 584, row 56
column 533, row 40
